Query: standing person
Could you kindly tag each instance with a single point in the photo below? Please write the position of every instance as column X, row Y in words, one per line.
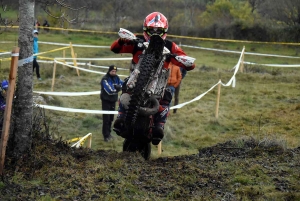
column 177, row 89
column 154, row 24
column 174, row 77
column 35, row 51
column 46, row 24
column 111, row 84
column 4, row 87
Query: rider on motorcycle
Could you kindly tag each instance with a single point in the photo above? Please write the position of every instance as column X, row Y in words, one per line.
column 154, row 24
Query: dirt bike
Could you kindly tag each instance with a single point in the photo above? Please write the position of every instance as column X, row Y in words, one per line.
column 144, row 87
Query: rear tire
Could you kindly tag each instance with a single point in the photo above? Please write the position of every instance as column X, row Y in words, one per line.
column 143, row 148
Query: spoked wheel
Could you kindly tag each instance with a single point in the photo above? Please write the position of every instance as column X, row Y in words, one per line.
column 143, row 148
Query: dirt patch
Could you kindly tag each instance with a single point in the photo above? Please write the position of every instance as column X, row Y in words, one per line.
column 229, row 171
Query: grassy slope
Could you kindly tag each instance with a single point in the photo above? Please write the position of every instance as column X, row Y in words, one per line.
column 264, row 103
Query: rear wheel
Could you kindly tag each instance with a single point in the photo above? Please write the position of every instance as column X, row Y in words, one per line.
column 143, row 148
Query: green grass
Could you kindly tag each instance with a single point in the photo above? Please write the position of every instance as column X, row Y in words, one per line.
column 264, row 103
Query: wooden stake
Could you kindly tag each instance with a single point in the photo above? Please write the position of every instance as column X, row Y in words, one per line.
column 74, row 58
column 218, row 99
column 242, row 62
column 53, row 76
column 89, row 64
column 159, row 148
column 8, row 107
column 64, row 56
column 89, row 145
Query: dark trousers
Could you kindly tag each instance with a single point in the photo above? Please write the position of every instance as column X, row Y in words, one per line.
column 177, row 89
column 107, row 118
column 37, row 67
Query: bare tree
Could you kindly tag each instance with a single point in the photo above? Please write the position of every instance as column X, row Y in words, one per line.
column 3, row 20
column 23, row 102
column 285, row 11
column 190, row 7
column 254, row 4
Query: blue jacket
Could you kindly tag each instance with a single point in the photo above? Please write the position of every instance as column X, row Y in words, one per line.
column 2, row 102
column 35, row 46
column 108, row 91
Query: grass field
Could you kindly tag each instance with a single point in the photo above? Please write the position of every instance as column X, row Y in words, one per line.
column 264, row 104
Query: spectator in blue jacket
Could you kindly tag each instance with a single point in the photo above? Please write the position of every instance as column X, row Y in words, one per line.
column 111, row 84
column 35, row 51
column 4, row 87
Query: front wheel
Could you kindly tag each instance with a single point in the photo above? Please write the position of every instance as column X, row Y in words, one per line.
column 143, row 148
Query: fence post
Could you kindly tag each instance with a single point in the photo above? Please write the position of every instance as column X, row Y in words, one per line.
column 53, row 76
column 89, row 145
column 242, row 62
column 8, row 107
column 74, row 58
column 218, row 99
column 159, row 148
column 64, row 56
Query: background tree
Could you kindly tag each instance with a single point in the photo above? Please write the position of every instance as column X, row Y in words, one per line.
column 23, row 102
column 21, row 137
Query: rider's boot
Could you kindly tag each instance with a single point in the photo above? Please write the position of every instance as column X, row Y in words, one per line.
column 160, row 118
column 119, row 124
column 159, row 122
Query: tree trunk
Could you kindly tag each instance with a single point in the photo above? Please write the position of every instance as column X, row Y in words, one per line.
column 23, row 102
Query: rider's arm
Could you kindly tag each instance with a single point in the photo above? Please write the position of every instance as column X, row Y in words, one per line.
column 175, row 49
column 118, row 46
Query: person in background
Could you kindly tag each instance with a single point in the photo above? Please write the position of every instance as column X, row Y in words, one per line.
column 46, row 24
column 35, row 51
column 111, row 84
column 177, row 89
column 37, row 25
column 4, row 87
column 174, row 77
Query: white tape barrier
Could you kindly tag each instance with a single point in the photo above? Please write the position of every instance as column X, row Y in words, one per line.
column 274, row 65
column 237, row 52
column 63, row 109
column 68, row 93
column 3, row 53
column 69, row 62
column 87, row 70
column 74, row 45
column 77, row 144
column 95, row 59
column 105, row 67
column 230, row 82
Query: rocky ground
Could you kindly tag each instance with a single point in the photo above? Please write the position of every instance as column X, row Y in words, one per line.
column 235, row 170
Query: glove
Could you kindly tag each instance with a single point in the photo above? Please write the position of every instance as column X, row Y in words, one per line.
column 122, row 41
column 117, row 87
column 2, row 107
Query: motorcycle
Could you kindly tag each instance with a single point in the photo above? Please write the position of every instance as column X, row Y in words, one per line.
column 144, row 88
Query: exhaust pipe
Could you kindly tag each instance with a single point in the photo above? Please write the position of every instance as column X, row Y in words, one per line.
column 144, row 111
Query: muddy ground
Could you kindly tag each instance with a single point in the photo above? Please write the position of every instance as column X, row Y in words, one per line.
column 244, row 170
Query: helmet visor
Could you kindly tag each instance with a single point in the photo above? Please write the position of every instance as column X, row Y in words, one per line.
column 155, row 31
